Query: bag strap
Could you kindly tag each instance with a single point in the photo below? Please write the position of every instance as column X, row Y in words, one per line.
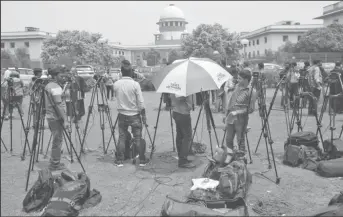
column 66, row 200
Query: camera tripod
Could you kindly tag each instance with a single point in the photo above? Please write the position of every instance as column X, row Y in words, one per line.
column 10, row 93
column 298, row 101
column 46, row 96
column 102, row 109
column 257, row 83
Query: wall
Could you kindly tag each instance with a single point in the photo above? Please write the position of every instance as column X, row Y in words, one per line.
column 35, row 47
column 274, row 41
column 330, row 19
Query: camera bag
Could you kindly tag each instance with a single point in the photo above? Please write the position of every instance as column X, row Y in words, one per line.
column 69, row 198
column 40, row 193
column 173, row 207
column 331, row 168
column 303, row 138
column 334, row 149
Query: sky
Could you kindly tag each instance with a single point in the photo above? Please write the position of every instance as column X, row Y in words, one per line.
column 134, row 22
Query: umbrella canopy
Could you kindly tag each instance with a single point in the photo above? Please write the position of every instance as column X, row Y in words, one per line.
column 189, row 76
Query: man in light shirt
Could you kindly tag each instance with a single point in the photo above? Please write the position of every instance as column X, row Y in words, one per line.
column 315, row 81
column 182, row 116
column 130, row 106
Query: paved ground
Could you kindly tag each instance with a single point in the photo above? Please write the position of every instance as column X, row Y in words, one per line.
column 134, row 191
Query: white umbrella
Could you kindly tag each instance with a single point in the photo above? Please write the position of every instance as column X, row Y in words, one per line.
column 189, row 76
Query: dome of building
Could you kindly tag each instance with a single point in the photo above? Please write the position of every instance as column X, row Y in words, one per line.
column 172, row 12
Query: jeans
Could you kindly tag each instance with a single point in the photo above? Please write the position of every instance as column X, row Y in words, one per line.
column 238, row 128
column 109, row 89
column 312, row 108
column 183, row 124
column 293, row 90
column 135, row 122
column 57, row 136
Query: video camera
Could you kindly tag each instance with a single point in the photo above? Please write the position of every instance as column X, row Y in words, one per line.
column 334, row 77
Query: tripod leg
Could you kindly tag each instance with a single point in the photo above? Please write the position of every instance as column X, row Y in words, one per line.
column 340, row 134
column 246, row 137
column 158, row 117
column 112, row 132
column 211, row 145
column 27, row 130
column 2, row 142
column 172, row 128
column 90, row 110
column 39, row 137
column 11, row 124
column 195, row 127
column 26, row 133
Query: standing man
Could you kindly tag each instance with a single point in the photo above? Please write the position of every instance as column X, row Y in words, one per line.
column 284, row 85
column 56, row 117
column 304, row 81
column 315, row 82
column 130, row 106
column 336, row 88
column 182, row 116
column 293, row 79
column 236, row 118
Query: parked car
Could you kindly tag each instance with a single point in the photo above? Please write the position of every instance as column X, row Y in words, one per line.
column 85, row 71
column 272, row 67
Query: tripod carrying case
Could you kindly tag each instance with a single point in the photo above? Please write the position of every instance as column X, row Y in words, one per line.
column 305, row 138
column 334, row 149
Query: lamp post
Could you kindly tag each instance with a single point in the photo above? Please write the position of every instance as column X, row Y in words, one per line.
column 244, row 42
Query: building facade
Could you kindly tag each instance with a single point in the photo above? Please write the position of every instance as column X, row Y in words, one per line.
column 31, row 38
column 271, row 37
column 332, row 14
column 171, row 29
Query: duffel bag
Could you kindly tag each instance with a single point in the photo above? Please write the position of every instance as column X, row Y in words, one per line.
column 331, row 168
column 69, row 198
column 40, row 193
column 303, row 138
column 335, row 149
column 172, row 207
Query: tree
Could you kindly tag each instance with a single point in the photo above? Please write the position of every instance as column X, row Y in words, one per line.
column 206, row 39
column 80, row 46
column 23, row 57
column 289, row 47
column 174, row 55
column 153, row 57
column 8, row 59
column 326, row 39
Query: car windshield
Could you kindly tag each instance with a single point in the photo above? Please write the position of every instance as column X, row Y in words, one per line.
column 84, row 68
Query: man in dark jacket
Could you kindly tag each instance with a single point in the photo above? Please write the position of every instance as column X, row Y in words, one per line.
column 336, row 88
column 304, row 81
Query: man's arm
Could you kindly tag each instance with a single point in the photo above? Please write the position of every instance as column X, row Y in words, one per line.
column 139, row 95
column 229, row 85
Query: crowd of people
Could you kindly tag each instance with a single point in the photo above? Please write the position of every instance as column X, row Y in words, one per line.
column 234, row 96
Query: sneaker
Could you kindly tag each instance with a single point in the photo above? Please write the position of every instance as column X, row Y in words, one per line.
column 59, row 166
column 186, row 164
column 118, row 163
column 143, row 163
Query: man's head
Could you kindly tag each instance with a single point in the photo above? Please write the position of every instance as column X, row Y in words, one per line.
column 244, row 77
column 14, row 75
column 338, row 64
column 246, row 64
column 16, row 68
column 315, row 62
column 38, row 72
column 294, row 64
column 126, row 69
column 261, row 65
column 56, row 73
column 287, row 65
column 307, row 64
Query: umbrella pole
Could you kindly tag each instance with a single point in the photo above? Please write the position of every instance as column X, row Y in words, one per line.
column 158, row 117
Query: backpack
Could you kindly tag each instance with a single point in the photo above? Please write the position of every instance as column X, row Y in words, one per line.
column 40, row 193
column 69, row 198
column 335, row 149
column 295, row 155
column 234, row 179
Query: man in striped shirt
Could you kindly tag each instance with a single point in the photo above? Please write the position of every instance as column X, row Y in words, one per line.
column 236, row 115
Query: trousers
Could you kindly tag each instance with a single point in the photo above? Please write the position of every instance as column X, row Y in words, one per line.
column 135, row 122
column 312, row 108
column 57, row 136
column 237, row 129
column 183, row 124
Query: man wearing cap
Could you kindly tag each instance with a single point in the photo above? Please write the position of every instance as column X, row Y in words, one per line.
column 56, row 117
column 130, row 106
